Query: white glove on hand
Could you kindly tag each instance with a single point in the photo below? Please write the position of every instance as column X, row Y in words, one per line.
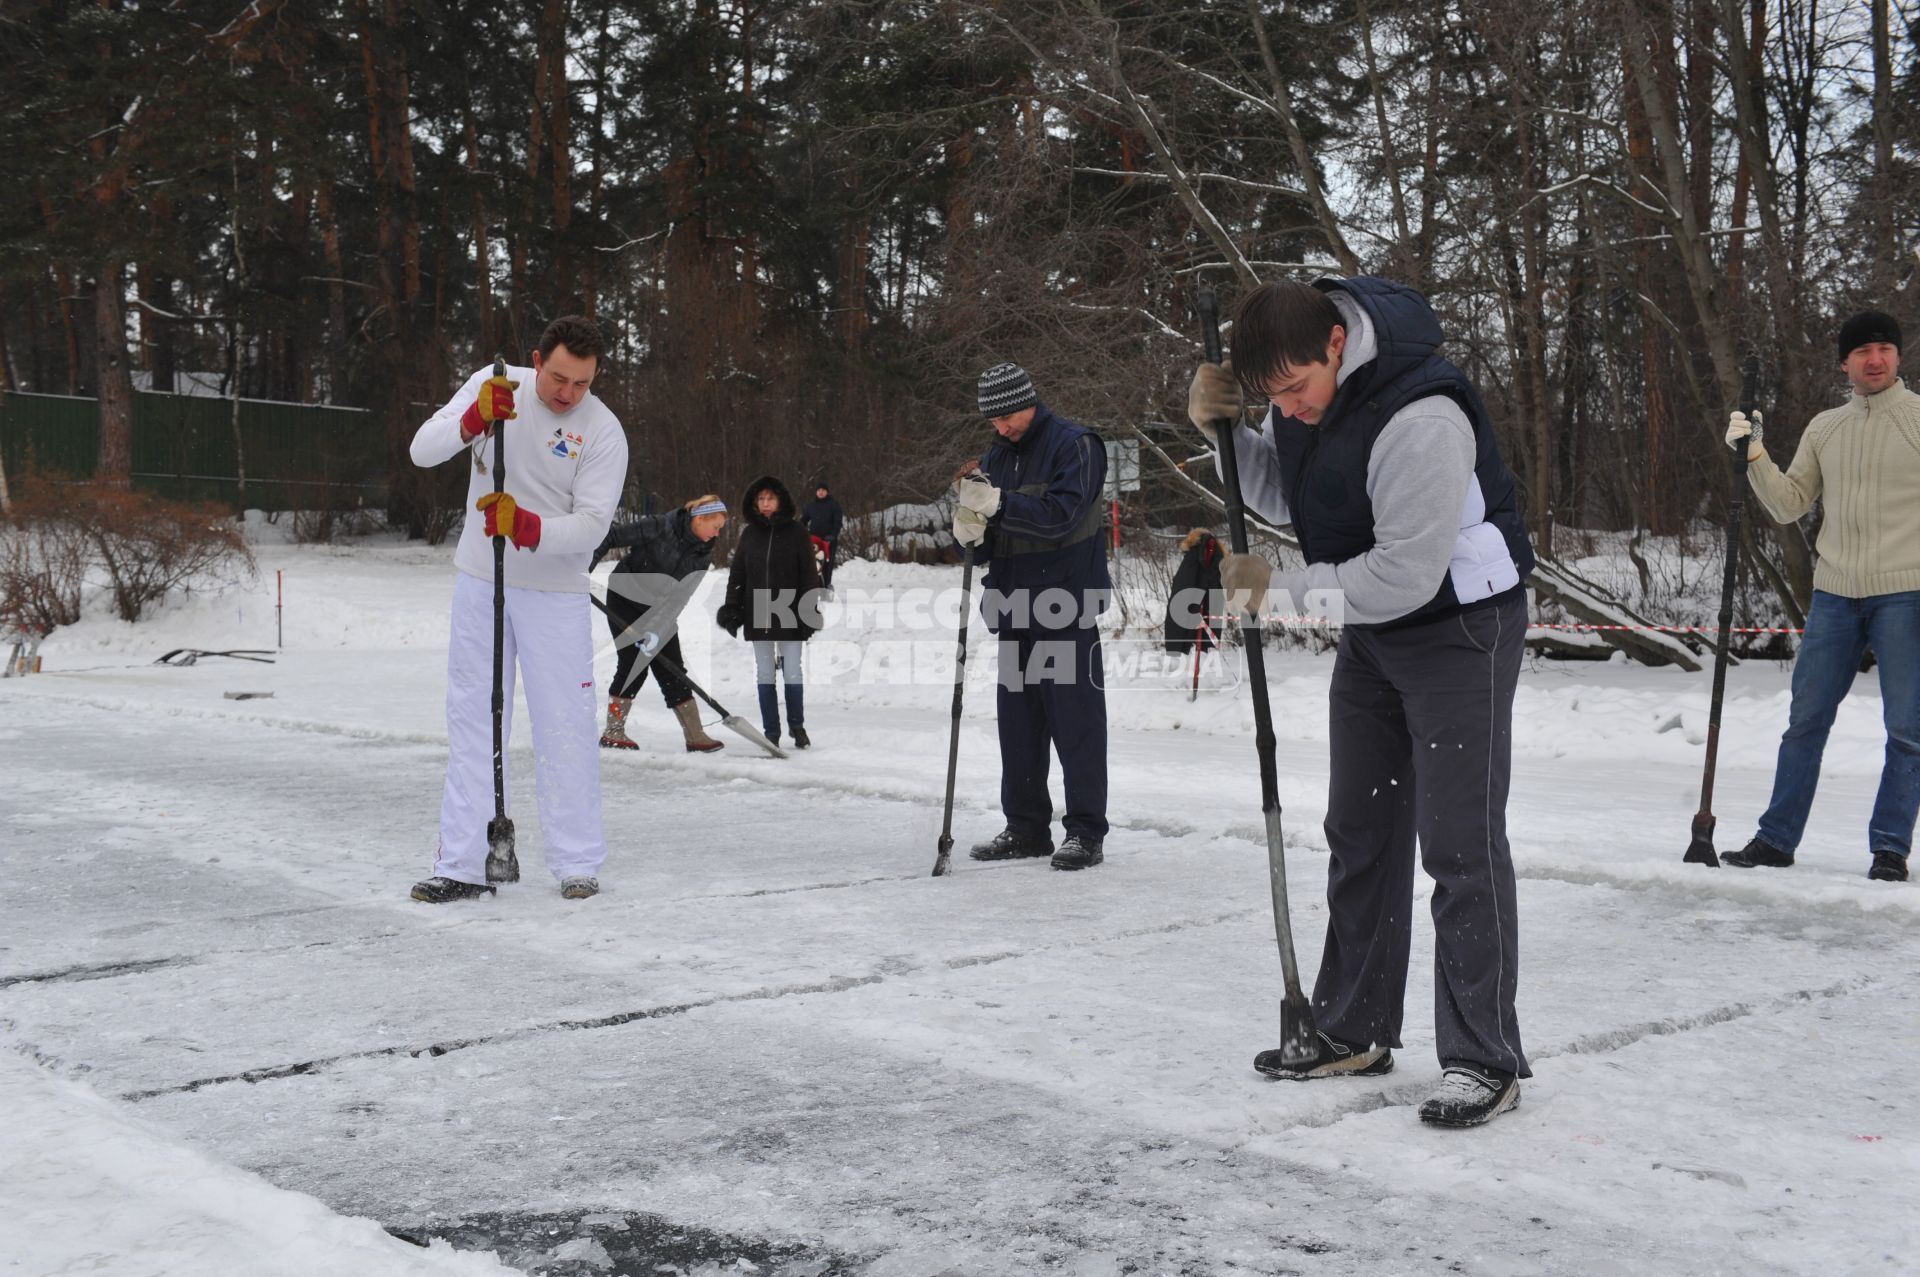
column 969, row 526
column 979, row 496
column 1739, row 427
column 1244, row 578
column 1211, row 395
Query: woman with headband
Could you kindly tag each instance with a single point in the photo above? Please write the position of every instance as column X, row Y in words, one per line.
column 660, row 550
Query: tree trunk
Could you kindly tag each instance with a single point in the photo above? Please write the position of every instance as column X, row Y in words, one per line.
column 336, row 292
column 1282, row 103
column 1389, row 154
column 64, row 285
column 111, row 365
column 156, row 348
column 1703, row 280
column 1886, row 224
column 482, row 268
column 398, row 354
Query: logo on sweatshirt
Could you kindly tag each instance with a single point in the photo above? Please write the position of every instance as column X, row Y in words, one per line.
column 565, row 444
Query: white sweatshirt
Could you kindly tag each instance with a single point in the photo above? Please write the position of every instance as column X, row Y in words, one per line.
column 568, row 468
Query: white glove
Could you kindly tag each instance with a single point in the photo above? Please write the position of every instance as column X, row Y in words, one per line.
column 969, row 526
column 1211, row 395
column 979, row 496
column 1739, row 427
column 1244, row 578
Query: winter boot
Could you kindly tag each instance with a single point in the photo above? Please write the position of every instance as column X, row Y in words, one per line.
column 770, row 713
column 1078, row 852
column 797, row 714
column 1759, row 853
column 1335, row 1059
column 615, row 737
column 438, row 891
column 698, row 742
column 1470, row 1095
column 1008, row 845
column 579, row 888
column 1888, row 866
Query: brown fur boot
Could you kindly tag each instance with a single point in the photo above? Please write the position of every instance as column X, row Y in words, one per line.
column 698, row 742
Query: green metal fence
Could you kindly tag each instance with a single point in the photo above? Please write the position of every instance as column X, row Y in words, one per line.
column 185, row 447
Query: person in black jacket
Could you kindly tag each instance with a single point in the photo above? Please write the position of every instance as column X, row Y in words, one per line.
column 658, row 548
column 823, row 518
column 773, row 594
column 1190, row 598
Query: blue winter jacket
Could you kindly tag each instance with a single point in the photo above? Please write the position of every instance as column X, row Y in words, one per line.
column 1046, row 536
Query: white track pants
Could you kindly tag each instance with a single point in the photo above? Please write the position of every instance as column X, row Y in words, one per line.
column 549, row 635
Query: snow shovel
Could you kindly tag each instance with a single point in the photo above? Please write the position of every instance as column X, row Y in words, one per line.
column 1298, row 1049
column 1700, row 851
column 502, row 864
column 739, row 725
column 943, row 861
column 650, row 643
column 191, row 655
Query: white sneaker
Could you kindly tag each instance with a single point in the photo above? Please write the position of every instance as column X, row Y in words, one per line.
column 579, row 888
column 1469, row 1097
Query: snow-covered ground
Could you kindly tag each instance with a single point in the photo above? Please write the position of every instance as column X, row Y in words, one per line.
column 774, row 1044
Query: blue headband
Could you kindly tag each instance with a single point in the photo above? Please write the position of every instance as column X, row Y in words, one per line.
column 709, row 507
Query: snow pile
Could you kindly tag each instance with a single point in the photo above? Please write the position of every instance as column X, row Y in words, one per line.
column 89, row 1188
column 911, row 531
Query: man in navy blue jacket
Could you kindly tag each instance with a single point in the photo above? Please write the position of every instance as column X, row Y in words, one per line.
column 1381, row 455
column 1031, row 511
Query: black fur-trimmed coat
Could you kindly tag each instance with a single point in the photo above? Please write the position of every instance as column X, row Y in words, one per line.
column 772, row 580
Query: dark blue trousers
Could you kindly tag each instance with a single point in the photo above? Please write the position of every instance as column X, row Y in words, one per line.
column 1052, row 699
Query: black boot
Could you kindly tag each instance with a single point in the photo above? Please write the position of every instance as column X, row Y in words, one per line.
column 1078, row 852
column 1008, row 845
column 1758, row 853
column 438, row 891
column 1888, row 866
column 770, row 712
column 797, row 714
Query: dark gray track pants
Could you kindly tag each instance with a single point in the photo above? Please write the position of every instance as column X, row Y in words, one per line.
column 1422, row 734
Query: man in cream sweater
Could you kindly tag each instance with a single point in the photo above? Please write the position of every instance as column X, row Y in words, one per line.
column 1863, row 459
column 566, row 463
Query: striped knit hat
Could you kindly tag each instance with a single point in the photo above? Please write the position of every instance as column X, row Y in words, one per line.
column 1005, row 389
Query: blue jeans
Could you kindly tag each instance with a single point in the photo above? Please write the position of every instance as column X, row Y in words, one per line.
column 1838, row 631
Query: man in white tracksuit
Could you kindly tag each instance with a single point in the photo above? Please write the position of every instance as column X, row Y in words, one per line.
column 566, row 461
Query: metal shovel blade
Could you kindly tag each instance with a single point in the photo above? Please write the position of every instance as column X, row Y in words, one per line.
column 1700, row 851
column 1298, row 1047
column 502, row 864
column 752, row 733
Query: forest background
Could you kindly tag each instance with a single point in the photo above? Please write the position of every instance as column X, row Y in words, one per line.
column 807, row 226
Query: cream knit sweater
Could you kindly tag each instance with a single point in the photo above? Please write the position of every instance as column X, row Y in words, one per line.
column 1864, row 458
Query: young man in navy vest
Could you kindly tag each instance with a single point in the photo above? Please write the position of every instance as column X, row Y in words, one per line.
column 1381, row 456
column 1030, row 509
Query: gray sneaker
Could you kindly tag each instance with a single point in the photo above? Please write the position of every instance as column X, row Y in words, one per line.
column 1468, row 1097
column 579, row 888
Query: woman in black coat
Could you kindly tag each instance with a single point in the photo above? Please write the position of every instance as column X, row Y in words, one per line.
column 658, row 547
column 772, row 594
